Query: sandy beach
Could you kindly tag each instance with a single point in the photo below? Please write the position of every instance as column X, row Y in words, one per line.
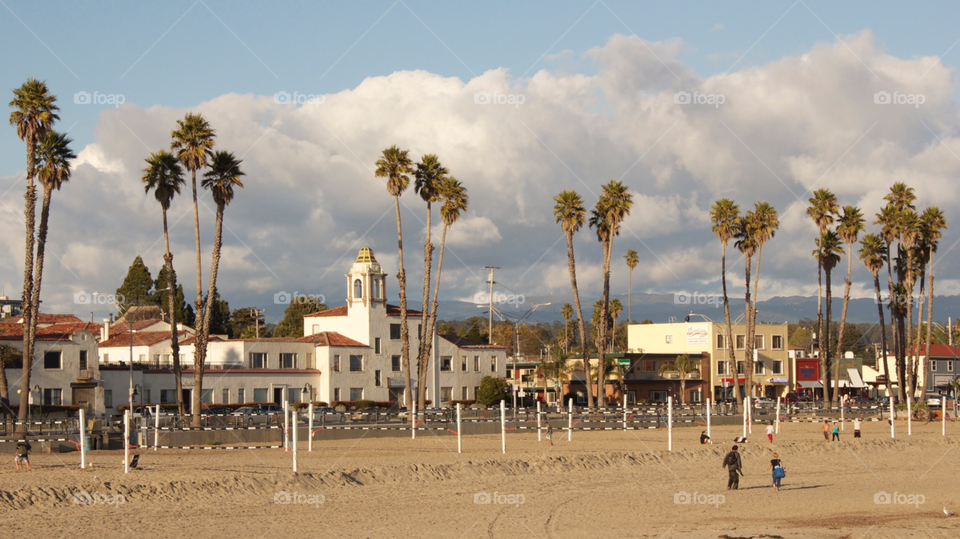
column 600, row 484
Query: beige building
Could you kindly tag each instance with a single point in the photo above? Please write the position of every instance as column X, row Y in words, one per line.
column 772, row 371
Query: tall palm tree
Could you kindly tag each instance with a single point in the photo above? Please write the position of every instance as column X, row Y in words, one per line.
column 932, row 223
column 823, row 210
column 567, row 313
column 909, row 238
column 766, row 222
column 223, row 176
column 849, row 227
column 571, row 215
column 616, row 308
column 873, row 253
column 607, row 216
column 888, row 218
column 684, row 367
column 164, row 176
column 395, row 165
column 747, row 244
column 828, row 250
column 455, row 200
column 35, row 112
column 725, row 216
column 428, row 176
column 900, row 199
column 632, row 260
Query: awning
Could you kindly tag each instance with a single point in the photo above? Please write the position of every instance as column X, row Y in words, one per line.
column 811, row 385
column 855, row 380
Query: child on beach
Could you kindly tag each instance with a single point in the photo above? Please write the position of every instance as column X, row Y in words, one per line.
column 770, row 432
column 836, row 431
column 778, row 474
column 856, row 427
column 826, row 431
column 550, row 433
column 23, row 454
column 704, row 439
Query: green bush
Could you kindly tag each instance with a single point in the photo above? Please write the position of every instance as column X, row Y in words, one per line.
column 492, row 391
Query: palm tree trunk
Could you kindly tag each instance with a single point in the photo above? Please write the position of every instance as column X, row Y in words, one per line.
column 630, row 296
column 748, row 344
column 171, row 303
column 917, row 358
column 926, row 364
column 911, row 389
column 883, row 331
column 894, row 323
column 826, row 339
column 752, row 328
column 196, row 236
column 820, row 338
column 201, row 347
column 602, row 334
column 404, row 330
column 27, row 307
column 436, row 294
column 726, row 312
column 572, row 265
column 38, row 268
column 423, row 357
column 843, row 321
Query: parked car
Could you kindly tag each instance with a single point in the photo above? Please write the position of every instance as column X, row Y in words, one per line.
column 365, row 415
column 261, row 415
column 327, row 415
column 935, row 400
column 764, row 401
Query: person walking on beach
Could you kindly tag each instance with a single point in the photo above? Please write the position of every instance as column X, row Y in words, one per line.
column 826, row 431
column 550, row 433
column 856, row 427
column 770, row 432
column 734, row 467
column 836, row 431
column 23, row 455
column 777, row 467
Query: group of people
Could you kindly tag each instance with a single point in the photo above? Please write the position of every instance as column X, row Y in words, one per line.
column 833, row 433
column 734, row 466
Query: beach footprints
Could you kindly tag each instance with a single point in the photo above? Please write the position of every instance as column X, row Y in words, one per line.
column 285, row 498
column 82, row 497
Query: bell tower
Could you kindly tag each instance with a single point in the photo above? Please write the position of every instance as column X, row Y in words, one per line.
column 366, row 282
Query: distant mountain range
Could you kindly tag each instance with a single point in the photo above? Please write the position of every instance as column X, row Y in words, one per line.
column 661, row 307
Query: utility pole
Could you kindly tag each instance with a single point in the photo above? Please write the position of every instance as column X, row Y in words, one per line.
column 256, row 318
column 490, row 281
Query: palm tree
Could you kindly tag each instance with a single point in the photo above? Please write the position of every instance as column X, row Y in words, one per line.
column 766, row 222
column 395, row 166
column 555, row 369
column 612, row 208
column 888, row 219
column 455, row 200
column 850, row 226
column 684, row 367
column 909, row 238
column 35, row 112
column 823, row 209
column 747, row 244
column 932, row 222
column 164, row 176
column 899, row 200
column 567, row 313
column 873, row 253
column 223, row 176
column 632, row 260
column 611, row 370
column 829, row 251
column 725, row 215
column 616, row 308
column 571, row 215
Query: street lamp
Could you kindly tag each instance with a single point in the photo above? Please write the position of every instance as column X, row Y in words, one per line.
column 516, row 332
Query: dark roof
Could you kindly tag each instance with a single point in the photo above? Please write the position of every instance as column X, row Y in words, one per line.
column 331, row 338
column 462, row 342
column 336, row 311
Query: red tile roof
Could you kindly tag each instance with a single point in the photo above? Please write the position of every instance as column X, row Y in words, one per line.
column 940, row 350
column 123, row 326
column 54, row 332
column 336, row 311
column 43, row 318
column 192, row 340
column 146, row 338
column 331, row 338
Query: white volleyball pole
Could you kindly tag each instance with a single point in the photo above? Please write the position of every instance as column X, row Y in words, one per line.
column 892, row 432
column 459, row 446
column 943, row 416
column 310, row 428
column 842, row 420
column 413, row 430
column 624, row 411
column 126, row 441
column 750, row 412
column 778, row 416
column 570, row 421
column 156, row 429
column 83, row 442
column 669, row 423
column 286, row 425
column 708, row 416
column 909, row 415
column 746, row 412
column 293, row 421
column 503, row 426
column 538, row 421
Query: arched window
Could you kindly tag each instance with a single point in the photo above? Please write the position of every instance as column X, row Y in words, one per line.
column 377, row 289
column 357, row 289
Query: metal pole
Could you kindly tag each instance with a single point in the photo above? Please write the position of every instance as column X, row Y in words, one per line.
column 293, row 421
column 156, row 429
column 459, row 445
column 503, row 426
column 750, row 412
column 538, row 421
column 83, row 441
column 413, row 428
column 943, row 416
column 624, row 411
column 777, row 430
column 909, row 415
column 842, row 420
column 570, row 420
column 708, row 416
column 286, row 424
column 310, row 428
column 126, row 442
column 745, row 412
column 669, row 423
column 892, row 433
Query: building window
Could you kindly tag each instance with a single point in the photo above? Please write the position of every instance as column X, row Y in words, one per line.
column 720, row 343
column 377, row 379
column 260, row 394
column 658, row 396
column 463, row 393
column 463, row 363
column 108, row 398
column 394, row 332
column 52, row 397
column 357, row 289
column 258, row 360
column 758, row 367
column 476, row 363
column 445, row 363
column 777, row 342
column 377, row 289
column 741, row 342
column 777, row 366
column 168, row 396
column 240, row 396
column 476, row 389
column 696, row 396
column 336, row 394
column 146, row 396
column 293, row 394
column 52, row 360
column 445, row 393
column 336, row 363
column 949, row 366
column 226, row 396
column 83, row 359
column 493, row 364
column 106, row 358
column 648, row 365
column 395, row 363
column 669, row 339
column 933, row 366
column 142, row 358
column 356, row 364
column 356, row 393
column 376, row 346
column 288, row 361
column 758, row 342
column 721, row 367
